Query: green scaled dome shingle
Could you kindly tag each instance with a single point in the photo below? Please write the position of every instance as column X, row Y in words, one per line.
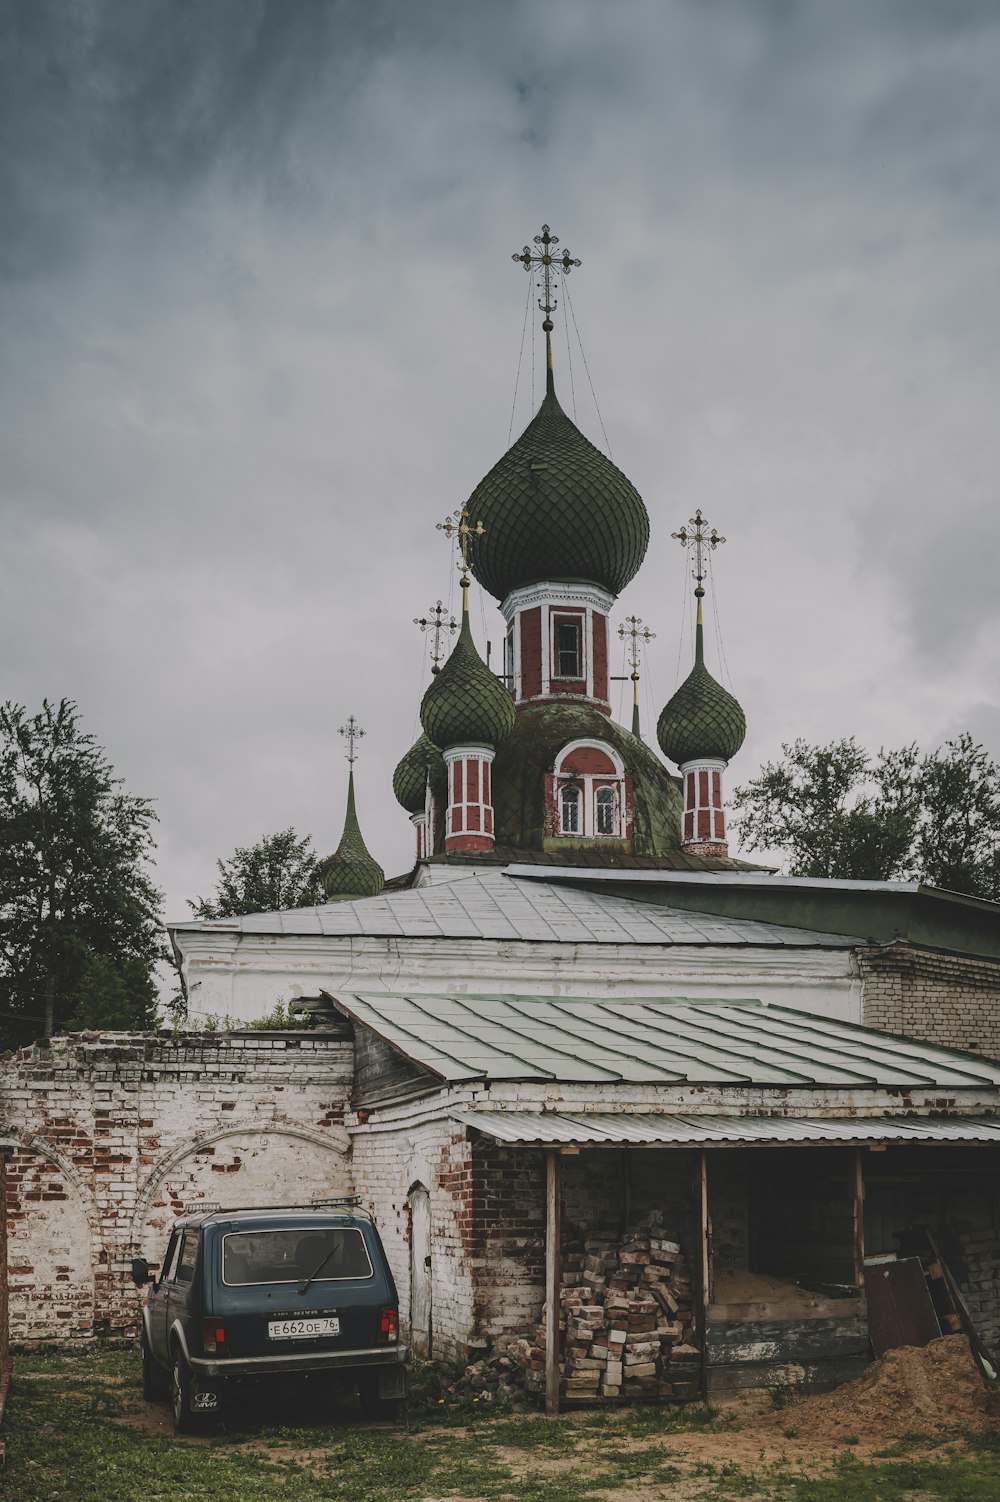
column 701, row 719
column 465, row 705
column 409, row 781
column 351, row 871
column 555, row 507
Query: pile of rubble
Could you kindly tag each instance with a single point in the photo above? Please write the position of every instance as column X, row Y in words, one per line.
column 625, row 1320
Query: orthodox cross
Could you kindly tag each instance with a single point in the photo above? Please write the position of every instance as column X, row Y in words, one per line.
column 547, row 259
column 352, row 733
column 700, row 539
column 638, row 639
column 435, row 621
column 458, row 526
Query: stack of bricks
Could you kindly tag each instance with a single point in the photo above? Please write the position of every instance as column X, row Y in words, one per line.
column 626, row 1322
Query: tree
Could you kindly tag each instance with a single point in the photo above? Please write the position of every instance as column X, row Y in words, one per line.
column 80, row 930
column 837, row 811
column 277, row 873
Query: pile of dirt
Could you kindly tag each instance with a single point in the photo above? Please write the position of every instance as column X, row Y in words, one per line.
column 921, row 1390
column 738, row 1286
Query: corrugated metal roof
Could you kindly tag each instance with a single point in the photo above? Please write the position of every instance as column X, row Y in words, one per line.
column 491, row 905
column 551, row 1127
column 652, row 1040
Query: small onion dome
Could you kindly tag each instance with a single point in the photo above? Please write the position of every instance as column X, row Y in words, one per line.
column 555, row 507
column 701, row 719
column 465, row 704
column 409, row 781
column 351, row 871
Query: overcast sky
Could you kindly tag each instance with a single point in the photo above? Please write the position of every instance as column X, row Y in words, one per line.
column 261, row 328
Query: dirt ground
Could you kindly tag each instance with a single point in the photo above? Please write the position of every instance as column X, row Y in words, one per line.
column 933, row 1391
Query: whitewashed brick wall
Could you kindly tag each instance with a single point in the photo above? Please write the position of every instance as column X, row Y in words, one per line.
column 387, row 1165
column 116, row 1131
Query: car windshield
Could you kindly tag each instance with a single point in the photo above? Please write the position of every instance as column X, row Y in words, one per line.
column 292, row 1256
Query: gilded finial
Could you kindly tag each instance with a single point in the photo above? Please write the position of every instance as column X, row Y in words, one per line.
column 548, row 261
column 352, row 733
column 458, row 526
column 637, row 639
column 435, row 621
column 700, row 539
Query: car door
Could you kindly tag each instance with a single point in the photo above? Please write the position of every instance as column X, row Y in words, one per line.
column 156, row 1300
column 180, row 1291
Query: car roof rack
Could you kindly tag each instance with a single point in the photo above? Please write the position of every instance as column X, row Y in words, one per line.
column 349, row 1204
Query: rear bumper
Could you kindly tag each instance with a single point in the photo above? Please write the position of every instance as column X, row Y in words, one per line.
column 307, row 1361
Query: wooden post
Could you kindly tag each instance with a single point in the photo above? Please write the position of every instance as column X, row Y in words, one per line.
column 857, row 1181
column 703, row 1262
column 552, row 1216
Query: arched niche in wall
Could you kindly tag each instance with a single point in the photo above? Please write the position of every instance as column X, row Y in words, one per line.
column 54, row 1248
column 243, row 1166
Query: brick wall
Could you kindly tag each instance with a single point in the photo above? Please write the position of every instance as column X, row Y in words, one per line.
column 116, row 1131
column 941, row 998
column 436, row 1156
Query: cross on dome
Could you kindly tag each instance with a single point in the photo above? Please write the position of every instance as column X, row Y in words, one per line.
column 435, row 621
column 352, row 733
column 700, row 539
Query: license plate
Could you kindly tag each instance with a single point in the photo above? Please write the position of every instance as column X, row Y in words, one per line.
column 301, row 1329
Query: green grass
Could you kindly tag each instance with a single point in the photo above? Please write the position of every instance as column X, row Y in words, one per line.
column 76, row 1430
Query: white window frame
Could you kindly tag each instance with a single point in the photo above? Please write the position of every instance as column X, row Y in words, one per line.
column 590, row 783
column 579, row 802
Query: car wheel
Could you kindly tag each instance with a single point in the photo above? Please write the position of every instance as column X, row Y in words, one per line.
column 374, row 1407
column 154, row 1378
column 185, row 1421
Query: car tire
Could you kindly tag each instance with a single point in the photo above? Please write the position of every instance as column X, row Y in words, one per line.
column 185, row 1420
column 155, row 1383
column 374, row 1407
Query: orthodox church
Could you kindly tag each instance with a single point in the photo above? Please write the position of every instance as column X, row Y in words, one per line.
column 585, row 1039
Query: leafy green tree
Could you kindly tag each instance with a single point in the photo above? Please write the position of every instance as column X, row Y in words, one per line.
column 837, row 811
column 277, row 873
column 80, row 929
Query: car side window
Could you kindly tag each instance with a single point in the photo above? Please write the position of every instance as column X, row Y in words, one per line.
column 189, row 1251
column 170, row 1260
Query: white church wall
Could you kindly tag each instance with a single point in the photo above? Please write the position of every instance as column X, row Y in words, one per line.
column 246, row 978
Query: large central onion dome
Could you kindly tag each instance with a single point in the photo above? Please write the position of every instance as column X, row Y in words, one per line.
column 465, row 704
column 554, row 507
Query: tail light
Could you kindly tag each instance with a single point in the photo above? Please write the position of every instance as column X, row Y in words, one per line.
column 213, row 1337
column 388, row 1327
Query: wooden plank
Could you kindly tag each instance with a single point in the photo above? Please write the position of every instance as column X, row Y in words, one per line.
column 777, row 1313
column 702, row 1263
column 808, row 1376
column 552, row 1219
column 810, row 1340
column 858, row 1189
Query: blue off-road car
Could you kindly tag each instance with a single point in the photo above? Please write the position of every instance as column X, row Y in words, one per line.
column 261, row 1295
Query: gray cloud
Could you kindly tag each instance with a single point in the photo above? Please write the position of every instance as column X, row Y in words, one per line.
column 261, row 332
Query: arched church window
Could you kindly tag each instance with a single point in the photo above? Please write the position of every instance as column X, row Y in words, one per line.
column 569, row 803
column 606, row 811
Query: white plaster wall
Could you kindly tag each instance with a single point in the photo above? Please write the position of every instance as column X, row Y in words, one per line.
column 246, row 976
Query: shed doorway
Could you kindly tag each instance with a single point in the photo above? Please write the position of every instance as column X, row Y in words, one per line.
column 420, row 1272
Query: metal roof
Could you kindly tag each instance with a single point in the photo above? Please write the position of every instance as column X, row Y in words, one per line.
column 490, row 905
column 665, row 1040
column 551, row 1127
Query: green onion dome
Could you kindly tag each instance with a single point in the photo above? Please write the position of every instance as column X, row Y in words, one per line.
column 409, row 781
column 351, row 871
column 555, row 507
column 701, row 719
column 465, row 704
